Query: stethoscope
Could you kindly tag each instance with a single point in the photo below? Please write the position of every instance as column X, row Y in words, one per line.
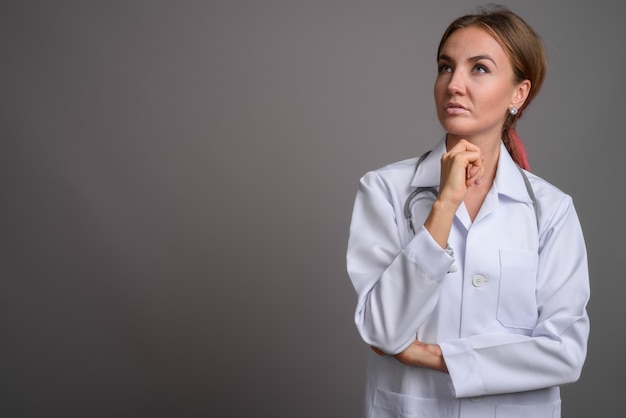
column 407, row 204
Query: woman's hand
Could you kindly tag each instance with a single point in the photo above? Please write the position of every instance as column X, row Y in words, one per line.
column 419, row 354
column 461, row 168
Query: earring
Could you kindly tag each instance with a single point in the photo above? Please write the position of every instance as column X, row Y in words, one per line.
column 513, row 111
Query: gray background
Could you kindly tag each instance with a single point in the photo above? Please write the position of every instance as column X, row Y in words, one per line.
column 177, row 181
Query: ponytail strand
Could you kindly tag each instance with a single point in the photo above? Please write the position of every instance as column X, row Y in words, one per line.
column 513, row 142
column 514, row 145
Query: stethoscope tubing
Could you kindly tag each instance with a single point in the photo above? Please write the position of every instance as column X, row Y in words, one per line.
column 435, row 192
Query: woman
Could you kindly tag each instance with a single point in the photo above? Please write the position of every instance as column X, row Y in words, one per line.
column 477, row 306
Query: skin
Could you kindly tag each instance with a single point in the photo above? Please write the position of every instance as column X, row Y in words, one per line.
column 474, row 90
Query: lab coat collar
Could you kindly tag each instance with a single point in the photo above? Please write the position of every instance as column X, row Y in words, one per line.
column 508, row 182
column 429, row 171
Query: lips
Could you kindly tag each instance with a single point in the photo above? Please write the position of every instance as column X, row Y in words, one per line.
column 453, row 108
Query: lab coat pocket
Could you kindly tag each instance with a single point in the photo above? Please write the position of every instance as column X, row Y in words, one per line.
column 398, row 405
column 548, row 410
column 517, row 301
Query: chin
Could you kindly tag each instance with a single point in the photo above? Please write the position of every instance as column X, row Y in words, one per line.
column 462, row 129
column 456, row 130
column 455, row 124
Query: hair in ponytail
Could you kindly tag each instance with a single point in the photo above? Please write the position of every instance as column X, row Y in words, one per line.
column 528, row 58
column 514, row 145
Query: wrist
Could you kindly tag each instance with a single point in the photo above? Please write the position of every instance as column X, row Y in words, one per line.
column 439, row 221
column 438, row 362
column 445, row 207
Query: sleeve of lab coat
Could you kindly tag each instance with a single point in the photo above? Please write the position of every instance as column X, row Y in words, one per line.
column 555, row 351
column 397, row 288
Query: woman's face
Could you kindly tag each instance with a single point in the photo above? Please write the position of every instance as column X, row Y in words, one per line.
column 474, row 87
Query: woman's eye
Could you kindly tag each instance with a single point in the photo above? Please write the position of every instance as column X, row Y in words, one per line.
column 445, row 68
column 481, row 69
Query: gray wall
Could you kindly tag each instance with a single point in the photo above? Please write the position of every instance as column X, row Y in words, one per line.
column 176, row 182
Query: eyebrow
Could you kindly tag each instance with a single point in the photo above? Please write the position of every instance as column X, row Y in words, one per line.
column 476, row 58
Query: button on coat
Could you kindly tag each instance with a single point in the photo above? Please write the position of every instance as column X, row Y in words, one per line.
column 478, row 280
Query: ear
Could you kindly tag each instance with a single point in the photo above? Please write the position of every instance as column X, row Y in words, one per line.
column 520, row 93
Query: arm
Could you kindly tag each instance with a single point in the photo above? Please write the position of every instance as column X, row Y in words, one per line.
column 461, row 168
column 554, row 353
column 419, row 354
column 397, row 286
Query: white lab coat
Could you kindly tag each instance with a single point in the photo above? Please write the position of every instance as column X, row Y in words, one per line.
column 506, row 301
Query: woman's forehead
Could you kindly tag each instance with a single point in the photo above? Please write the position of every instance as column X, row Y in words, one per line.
column 470, row 42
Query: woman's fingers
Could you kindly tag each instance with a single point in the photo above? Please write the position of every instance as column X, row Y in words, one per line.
column 474, row 175
column 461, row 167
column 419, row 354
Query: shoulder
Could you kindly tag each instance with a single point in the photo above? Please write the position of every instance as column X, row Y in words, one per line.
column 546, row 192
column 397, row 167
column 553, row 203
column 391, row 182
column 397, row 172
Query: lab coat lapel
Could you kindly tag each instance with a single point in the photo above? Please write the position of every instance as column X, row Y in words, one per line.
column 429, row 171
column 507, row 183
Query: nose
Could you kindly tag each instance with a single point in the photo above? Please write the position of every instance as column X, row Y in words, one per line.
column 456, row 83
